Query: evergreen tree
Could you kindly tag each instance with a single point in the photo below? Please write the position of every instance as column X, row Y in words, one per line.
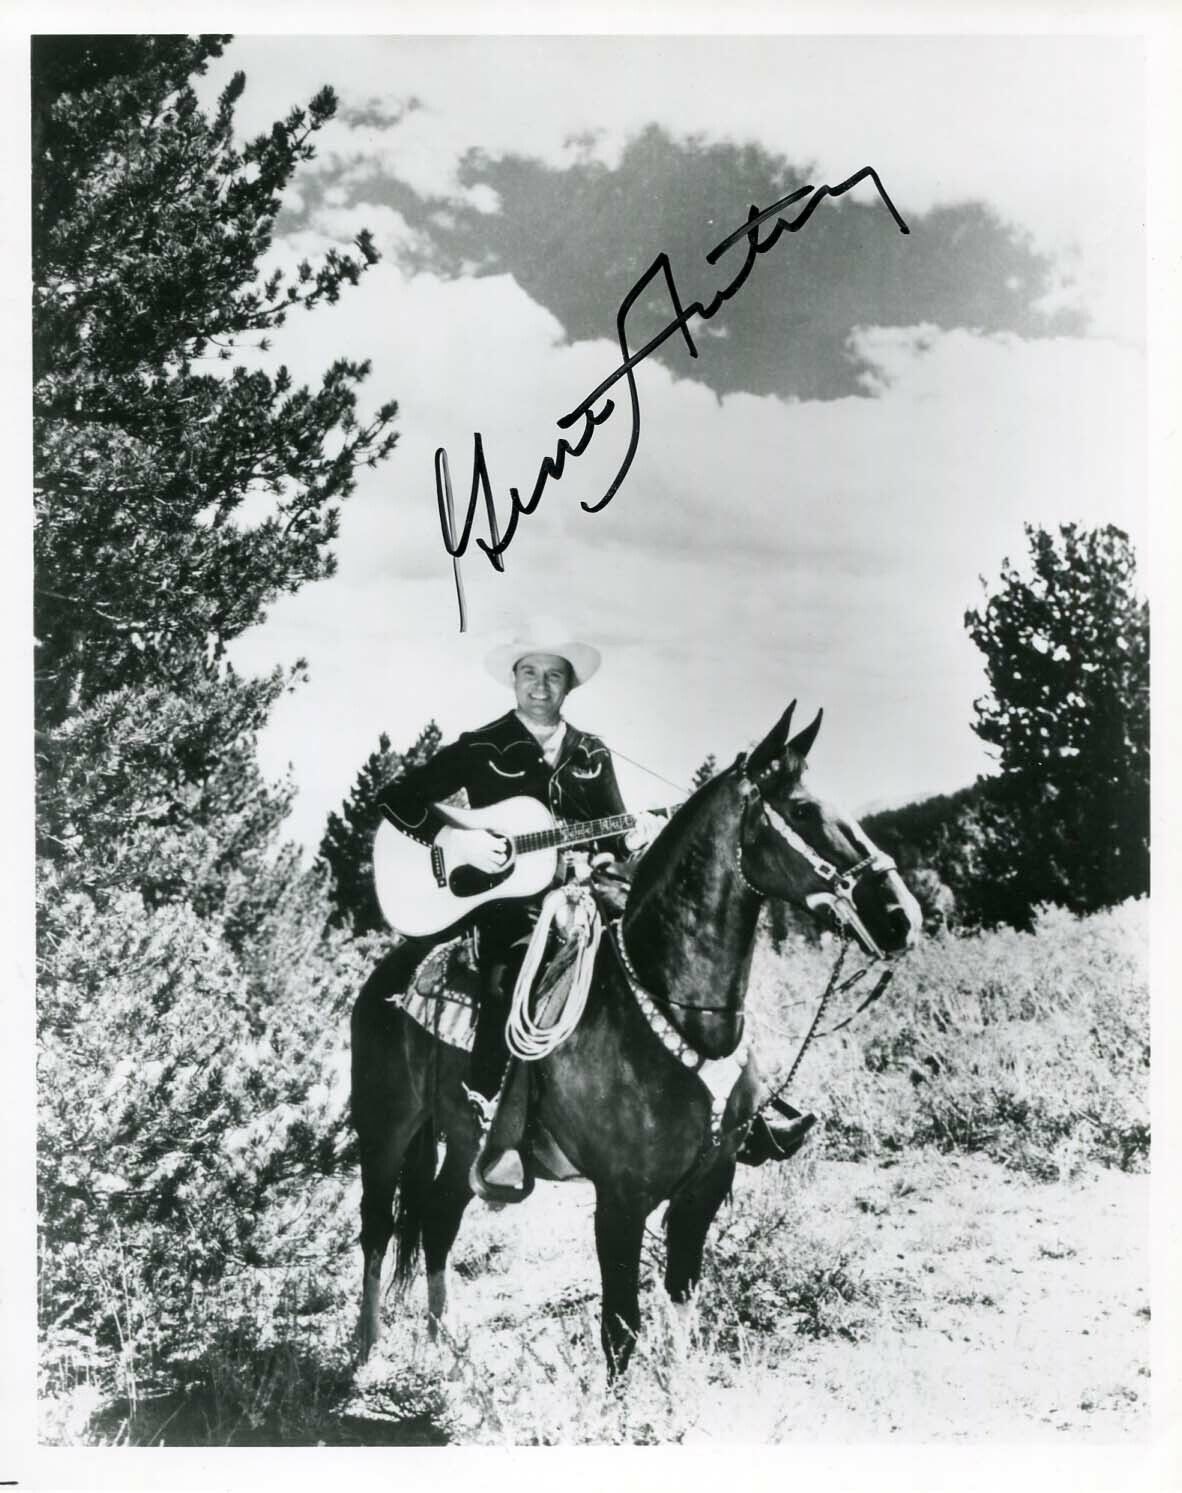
column 705, row 772
column 192, row 1007
column 347, row 846
column 149, row 224
column 1067, row 658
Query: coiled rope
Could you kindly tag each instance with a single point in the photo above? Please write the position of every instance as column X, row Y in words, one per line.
column 526, row 1038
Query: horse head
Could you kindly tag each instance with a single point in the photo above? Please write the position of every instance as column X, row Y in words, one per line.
column 796, row 848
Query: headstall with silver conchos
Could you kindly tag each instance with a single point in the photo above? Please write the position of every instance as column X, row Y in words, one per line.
column 838, row 897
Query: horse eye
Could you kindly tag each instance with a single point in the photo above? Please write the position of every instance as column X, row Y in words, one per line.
column 801, row 808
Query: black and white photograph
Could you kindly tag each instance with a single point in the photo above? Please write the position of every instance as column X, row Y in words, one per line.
column 591, row 731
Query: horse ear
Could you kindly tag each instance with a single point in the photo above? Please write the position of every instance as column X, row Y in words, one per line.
column 772, row 744
column 802, row 743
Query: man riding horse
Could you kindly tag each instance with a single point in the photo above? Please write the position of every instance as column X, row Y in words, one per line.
column 531, row 750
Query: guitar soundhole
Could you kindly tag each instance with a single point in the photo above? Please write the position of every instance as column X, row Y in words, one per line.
column 467, row 881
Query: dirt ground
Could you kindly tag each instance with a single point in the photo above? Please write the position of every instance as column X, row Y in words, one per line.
column 1025, row 1307
column 971, row 1303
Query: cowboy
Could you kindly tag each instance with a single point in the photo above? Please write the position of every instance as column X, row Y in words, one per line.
column 532, row 750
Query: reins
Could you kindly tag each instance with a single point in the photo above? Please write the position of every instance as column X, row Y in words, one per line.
column 838, row 896
column 716, row 1135
column 832, row 989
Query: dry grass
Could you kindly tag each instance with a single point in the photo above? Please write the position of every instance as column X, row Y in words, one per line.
column 1032, row 1048
column 934, row 1298
column 957, row 1253
column 939, row 1297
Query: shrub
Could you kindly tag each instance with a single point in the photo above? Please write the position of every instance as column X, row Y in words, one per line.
column 193, row 1112
column 1030, row 1047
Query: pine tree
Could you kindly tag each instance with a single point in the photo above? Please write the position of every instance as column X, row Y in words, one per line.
column 347, row 846
column 1067, row 658
column 192, row 1007
column 705, row 772
column 149, row 224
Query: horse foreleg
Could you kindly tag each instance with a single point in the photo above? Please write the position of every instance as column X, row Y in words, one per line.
column 619, row 1233
column 445, row 1209
column 687, row 1223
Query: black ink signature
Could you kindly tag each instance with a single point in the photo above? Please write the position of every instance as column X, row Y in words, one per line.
column 552, row 467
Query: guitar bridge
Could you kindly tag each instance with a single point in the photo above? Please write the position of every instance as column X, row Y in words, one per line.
column 437, row 869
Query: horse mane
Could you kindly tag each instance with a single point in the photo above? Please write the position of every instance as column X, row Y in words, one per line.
column 678, row 842
column 684, row 838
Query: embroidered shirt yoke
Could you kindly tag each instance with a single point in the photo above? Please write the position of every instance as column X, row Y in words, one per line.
column 502, row 760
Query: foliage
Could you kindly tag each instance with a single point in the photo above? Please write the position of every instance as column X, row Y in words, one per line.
column 347, row 845
column 189, row 1100
column 703, row 773
column 1032, row 1047
column 1067, row 658
column 755, row 1285
column 192, row 1000
column 161, row 792
column 1029, row 1048
column 921, row 832
column 935, row 842
column 1066, row 819
column 177, row 492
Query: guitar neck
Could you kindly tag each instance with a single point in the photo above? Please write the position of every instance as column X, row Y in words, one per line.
column 563, row 836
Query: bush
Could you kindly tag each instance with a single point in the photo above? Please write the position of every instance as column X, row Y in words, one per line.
column 1030, row 1047
column 193, row 1114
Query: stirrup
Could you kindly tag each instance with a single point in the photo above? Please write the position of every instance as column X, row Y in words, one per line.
column 497, row 1192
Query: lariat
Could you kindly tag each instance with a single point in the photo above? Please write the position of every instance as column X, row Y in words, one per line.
column 527, row 1038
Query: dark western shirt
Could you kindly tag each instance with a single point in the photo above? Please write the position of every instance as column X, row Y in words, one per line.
column 504, row 760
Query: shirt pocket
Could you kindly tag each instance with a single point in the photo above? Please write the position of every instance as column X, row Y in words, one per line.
column 586, row 774
column 504, row 772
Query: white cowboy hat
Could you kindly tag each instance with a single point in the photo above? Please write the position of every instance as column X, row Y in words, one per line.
column 543, row 635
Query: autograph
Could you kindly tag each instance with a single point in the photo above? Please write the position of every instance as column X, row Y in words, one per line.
column 584, row 413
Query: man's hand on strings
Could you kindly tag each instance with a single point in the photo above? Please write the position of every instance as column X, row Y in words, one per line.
column 473, row 847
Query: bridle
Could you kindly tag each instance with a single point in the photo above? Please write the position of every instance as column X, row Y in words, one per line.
column 838, row 885
column 836, row 895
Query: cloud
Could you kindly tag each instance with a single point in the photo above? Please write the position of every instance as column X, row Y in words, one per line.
column 579, row 237
column 814, row 524
column 1063, row 157
column 759, row 547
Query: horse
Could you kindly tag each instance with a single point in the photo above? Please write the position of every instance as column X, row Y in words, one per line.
column 623, row 1096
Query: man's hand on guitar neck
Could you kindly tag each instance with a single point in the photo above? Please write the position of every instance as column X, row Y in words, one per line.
column 644, row 831
column 473, row 847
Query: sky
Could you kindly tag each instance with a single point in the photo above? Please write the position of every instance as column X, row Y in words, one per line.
column 815, row 496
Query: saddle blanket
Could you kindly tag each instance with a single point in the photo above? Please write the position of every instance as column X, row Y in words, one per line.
column 444, row 994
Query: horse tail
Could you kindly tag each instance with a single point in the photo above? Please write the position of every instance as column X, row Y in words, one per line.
column 410, row 1201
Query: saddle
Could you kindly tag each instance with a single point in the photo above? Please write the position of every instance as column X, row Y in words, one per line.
column 546, row 1009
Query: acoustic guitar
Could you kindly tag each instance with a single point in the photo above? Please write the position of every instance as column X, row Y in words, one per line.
column 420, row 894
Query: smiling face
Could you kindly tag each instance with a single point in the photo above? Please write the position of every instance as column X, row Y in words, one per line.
column 541, row 682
